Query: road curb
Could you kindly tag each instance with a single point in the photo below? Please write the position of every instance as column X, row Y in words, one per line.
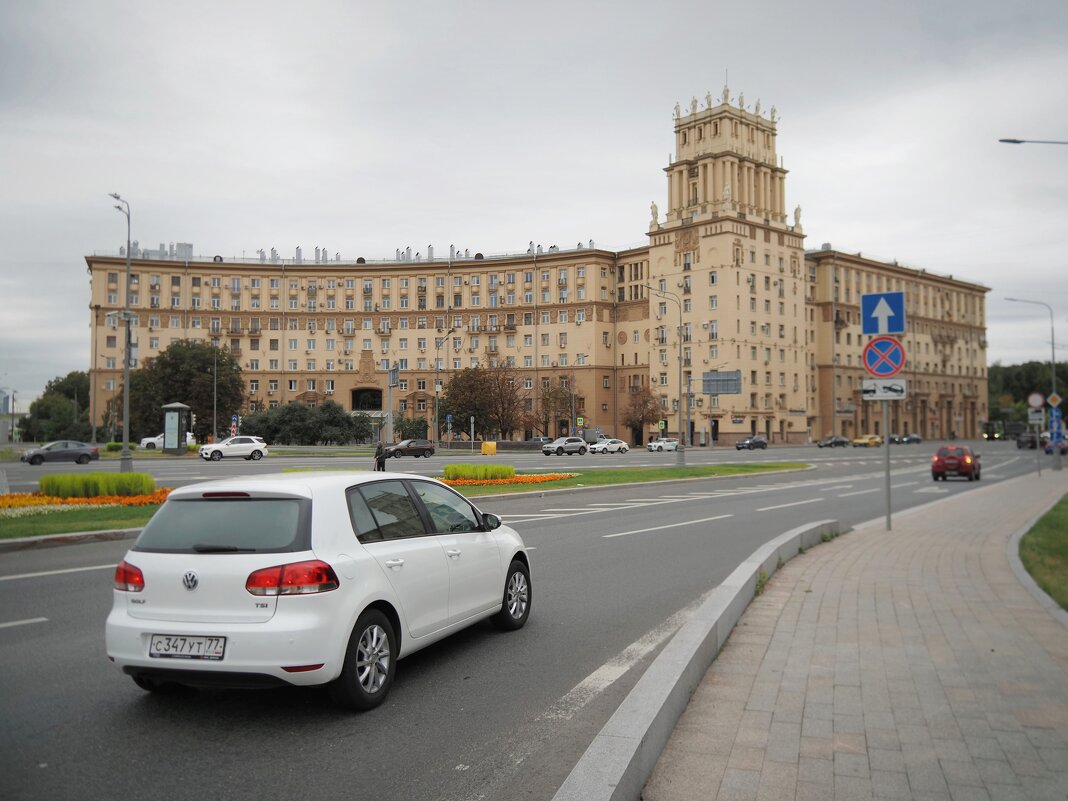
column 55, row 540
column 622, row 756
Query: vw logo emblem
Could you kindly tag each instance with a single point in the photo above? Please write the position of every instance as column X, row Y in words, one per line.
column 190, row 581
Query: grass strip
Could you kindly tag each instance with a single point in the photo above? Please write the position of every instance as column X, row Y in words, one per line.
column 1044, row 552
column 76, row 518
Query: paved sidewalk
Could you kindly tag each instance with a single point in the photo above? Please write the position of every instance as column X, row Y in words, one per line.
column 913, row 664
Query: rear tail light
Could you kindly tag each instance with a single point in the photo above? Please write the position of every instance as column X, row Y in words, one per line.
column 967, row 460
column 129, row 578
column 298, row 578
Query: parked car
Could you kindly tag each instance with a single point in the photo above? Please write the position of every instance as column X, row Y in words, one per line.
column 663, row 444
column 955, row 460
column 609, row 446
column 867, row 441
column 568, row 445
column 411, row 447
column 750, row 443
column 249, row 448
column 833, row 442
column 63, row 450
column 149, row 443
column 309, row 579
column 540, row 440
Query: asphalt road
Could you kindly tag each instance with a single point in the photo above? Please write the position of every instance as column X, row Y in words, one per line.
column 482, row 715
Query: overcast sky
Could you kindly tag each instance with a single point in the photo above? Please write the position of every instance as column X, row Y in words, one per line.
column 366, row 127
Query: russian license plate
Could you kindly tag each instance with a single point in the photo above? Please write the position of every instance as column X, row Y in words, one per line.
column 180, row 646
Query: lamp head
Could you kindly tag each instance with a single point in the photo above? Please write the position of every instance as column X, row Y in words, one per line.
column 1012, row 141
column 114, row 195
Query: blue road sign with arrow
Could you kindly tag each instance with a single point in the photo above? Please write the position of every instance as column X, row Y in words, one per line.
column 883, row 313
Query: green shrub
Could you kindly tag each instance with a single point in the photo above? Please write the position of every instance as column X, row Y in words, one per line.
column 115, row 447
column 93, row 485
column 762, row 580
column 479, row 472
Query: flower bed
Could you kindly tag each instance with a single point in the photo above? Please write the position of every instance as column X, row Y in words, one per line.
column 500, row 482
column 19, row 504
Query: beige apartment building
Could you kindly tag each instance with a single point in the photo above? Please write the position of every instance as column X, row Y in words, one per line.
column 723, row 286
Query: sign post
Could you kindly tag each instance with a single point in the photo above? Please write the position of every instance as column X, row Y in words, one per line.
column 883, row 313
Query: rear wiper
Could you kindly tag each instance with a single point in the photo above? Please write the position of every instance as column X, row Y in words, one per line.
column 207, row 548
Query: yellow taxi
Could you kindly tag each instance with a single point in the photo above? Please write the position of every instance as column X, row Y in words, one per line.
column 867, row 441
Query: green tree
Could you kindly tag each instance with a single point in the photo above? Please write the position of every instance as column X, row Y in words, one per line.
column 204, row 377
column 335, row 425
column 62, row 411
column 467, row 395
column 410, row 428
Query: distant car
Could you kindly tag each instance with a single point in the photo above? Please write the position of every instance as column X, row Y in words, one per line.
column 150, row 443
column 955, row 460
column 568, row 445
column 833, row 442
column 249, row 448
column 302, row 579
column 1047, row 447
column 663, row 444
column 540, row 440
column 411, row 447
column 63, row 450
column 609, row 446
column 867, row 441
column 751, row 443
column 1027, row 439
column 912, row 439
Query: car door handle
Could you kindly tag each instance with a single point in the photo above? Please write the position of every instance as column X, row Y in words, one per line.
column 452, row 554
column 394, row 563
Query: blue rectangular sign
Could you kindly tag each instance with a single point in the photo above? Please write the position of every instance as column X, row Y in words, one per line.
column 883, row 313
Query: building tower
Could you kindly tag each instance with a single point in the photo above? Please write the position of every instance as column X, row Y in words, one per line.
column 727, row 262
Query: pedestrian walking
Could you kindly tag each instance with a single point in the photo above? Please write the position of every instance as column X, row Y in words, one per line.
column 380, row 458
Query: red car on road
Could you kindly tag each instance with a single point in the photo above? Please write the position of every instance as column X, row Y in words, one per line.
column 955, row 460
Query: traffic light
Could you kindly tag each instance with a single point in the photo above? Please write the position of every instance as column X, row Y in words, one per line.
column 192, row 420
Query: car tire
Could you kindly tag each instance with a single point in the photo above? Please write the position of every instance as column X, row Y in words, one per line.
column 83, row 459
column 559, row 451
column 36, row 460
column 370, row 663
column 151, row 446
column 255, row 456
column 660, row 449
column 978, row 474
column 427, row 454
column 582, row 451
column 515, row 608
column 216, row 456
column 623, row 450
column 934, row 476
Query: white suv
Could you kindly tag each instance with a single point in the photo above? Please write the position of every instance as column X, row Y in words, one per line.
column 309, row 579
column 253, row 448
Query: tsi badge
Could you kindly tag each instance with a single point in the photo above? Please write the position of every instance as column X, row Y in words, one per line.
column 190, row 581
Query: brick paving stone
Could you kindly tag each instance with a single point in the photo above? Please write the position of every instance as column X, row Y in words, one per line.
column 911, row 664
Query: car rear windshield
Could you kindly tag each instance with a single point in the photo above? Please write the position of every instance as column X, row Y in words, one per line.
column 950, row 451
column 228, row 525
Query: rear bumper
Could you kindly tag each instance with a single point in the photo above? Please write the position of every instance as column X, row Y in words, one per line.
column 255, row 653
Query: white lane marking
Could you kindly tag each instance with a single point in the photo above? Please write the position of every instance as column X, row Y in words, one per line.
column 860, row 492
column 844, row 486
column 905, row 484
column 661, row 528
column 784, row 505
column 58, row 572
column 23, row 622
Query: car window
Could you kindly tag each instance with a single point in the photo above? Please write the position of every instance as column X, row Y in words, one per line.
column 228, row 525
column 950, row 451
column 447, row 510
column 394, row 512
column 363, row 521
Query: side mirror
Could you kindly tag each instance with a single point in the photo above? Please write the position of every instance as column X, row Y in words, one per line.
column 490, row 521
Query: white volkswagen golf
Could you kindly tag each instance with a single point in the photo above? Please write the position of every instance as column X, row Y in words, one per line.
column 309, row 578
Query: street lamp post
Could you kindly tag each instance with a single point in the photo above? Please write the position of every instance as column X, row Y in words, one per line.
column 1032, row 142
column 125, row 457
column 214, row 391
column 680, row 452
column 1052, row 365
column 438, row 340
